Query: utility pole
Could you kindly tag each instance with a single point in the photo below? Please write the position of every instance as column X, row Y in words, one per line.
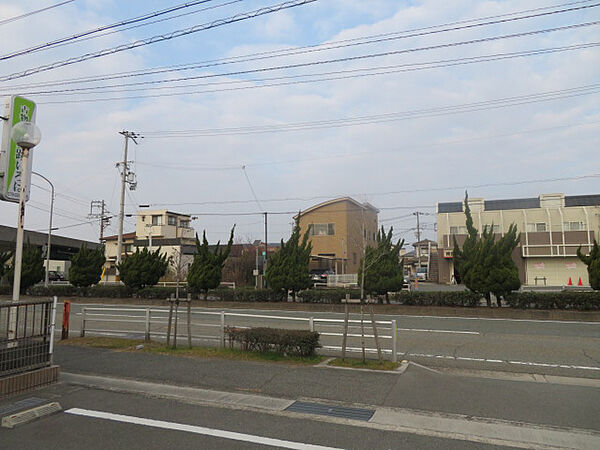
column 124, row 173
column 417, row 213
column 266, row 253
column 100, row 213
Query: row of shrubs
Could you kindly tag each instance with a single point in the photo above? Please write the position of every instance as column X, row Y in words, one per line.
column 283, row 342
column 581, row 301
column 573, row 300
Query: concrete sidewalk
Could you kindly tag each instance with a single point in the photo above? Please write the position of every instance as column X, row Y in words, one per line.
column 417, row 388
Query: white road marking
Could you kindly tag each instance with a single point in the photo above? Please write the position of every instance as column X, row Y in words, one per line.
column 440, row 331
column 196, row 429
column 522, row 363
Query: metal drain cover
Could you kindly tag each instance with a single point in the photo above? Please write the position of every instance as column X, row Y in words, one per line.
column 331, row 410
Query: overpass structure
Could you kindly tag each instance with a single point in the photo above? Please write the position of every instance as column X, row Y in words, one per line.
column 62, row 247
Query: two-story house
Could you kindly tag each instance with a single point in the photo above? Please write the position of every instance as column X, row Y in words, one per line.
column 339, row 229
column 170, row 231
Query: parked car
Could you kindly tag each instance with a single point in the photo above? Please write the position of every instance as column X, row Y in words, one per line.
column 320, row 275
column 422, row 273
column 53, row 275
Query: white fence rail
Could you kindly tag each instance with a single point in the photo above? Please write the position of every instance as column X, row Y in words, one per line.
column 349, row 279
column 212, row 325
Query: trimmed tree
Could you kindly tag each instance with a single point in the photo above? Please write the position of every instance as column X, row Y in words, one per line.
column 383, row 268
column 287, row 269
column 86, row 266
column 143, row 268
column 206, row 270
column 592, row 261
column 32, row 268
column 485, row 263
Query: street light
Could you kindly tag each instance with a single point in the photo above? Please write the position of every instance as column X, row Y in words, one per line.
column 46, row 282
column 26, row 135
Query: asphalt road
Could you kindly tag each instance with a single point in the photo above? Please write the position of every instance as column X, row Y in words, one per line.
column 69, row 431
column 563, row 348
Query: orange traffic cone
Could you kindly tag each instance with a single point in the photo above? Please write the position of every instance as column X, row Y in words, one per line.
column 570, row 282
column 580, row 283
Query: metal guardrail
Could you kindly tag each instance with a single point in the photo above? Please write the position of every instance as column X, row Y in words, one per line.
column 26, row 335
column 349, row 279
column 212, row 325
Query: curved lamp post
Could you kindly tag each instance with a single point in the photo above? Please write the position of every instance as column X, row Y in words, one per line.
column 48, row 247
column 26, row 135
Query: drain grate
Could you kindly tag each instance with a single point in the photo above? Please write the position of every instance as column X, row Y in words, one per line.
column 332, row 411
column 21, row 404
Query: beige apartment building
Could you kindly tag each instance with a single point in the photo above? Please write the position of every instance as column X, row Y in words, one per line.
column 551, row 227
column 168, row 230
column 338, row 229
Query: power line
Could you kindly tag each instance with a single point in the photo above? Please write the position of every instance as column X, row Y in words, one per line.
column 322, row 62
column 48, row 45
column 152, row 22
column 329, row 75
column 287, row 51
column 402, row 191
column 159, row 38
column 31, row 13
column 382, row 118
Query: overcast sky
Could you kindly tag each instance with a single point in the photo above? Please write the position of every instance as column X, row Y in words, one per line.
column 417, row 143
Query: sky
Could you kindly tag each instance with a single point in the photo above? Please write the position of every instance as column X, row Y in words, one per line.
column 402, row 104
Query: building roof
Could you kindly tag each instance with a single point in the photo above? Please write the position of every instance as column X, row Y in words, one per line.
column 521, row 203
column 116, row 236
column 424, row 242
column 365, row 205
column 9, row 234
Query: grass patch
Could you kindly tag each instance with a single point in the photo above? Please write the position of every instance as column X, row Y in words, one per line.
column 122, row 344
column 368, row 364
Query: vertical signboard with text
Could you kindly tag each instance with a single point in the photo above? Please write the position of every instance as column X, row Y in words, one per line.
column 17, row 109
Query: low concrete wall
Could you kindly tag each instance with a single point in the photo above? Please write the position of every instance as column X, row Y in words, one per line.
column 21, row 382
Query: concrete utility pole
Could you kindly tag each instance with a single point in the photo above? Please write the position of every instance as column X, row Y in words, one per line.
column 102, row 215
column 124, row 170
column 417, row 213
column 266, row 253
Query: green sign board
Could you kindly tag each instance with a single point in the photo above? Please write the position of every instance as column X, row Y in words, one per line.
column 17, row 109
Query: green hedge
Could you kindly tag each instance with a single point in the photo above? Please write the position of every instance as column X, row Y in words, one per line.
column 283, row 342
column 582, row 301
column 327, row 295
column 249, row 295
column 437, row 298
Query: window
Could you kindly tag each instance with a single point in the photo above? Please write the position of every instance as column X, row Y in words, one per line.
column 458, row 230
column 574, row 226
column 536, row 227
column 157, row 220
column 321, row 229
column 495, row 228
column 172, row 220
column 184, row 223
column 129, row 248
column 354, row 259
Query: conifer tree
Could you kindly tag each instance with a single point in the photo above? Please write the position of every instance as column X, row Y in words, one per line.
column 592, row 261
column 382, row 265
column 287, row 269
column 4, row 257
column 143, row 268
column 86, row 266
column 32, row 268
column 485, row 263
column 206, row 270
